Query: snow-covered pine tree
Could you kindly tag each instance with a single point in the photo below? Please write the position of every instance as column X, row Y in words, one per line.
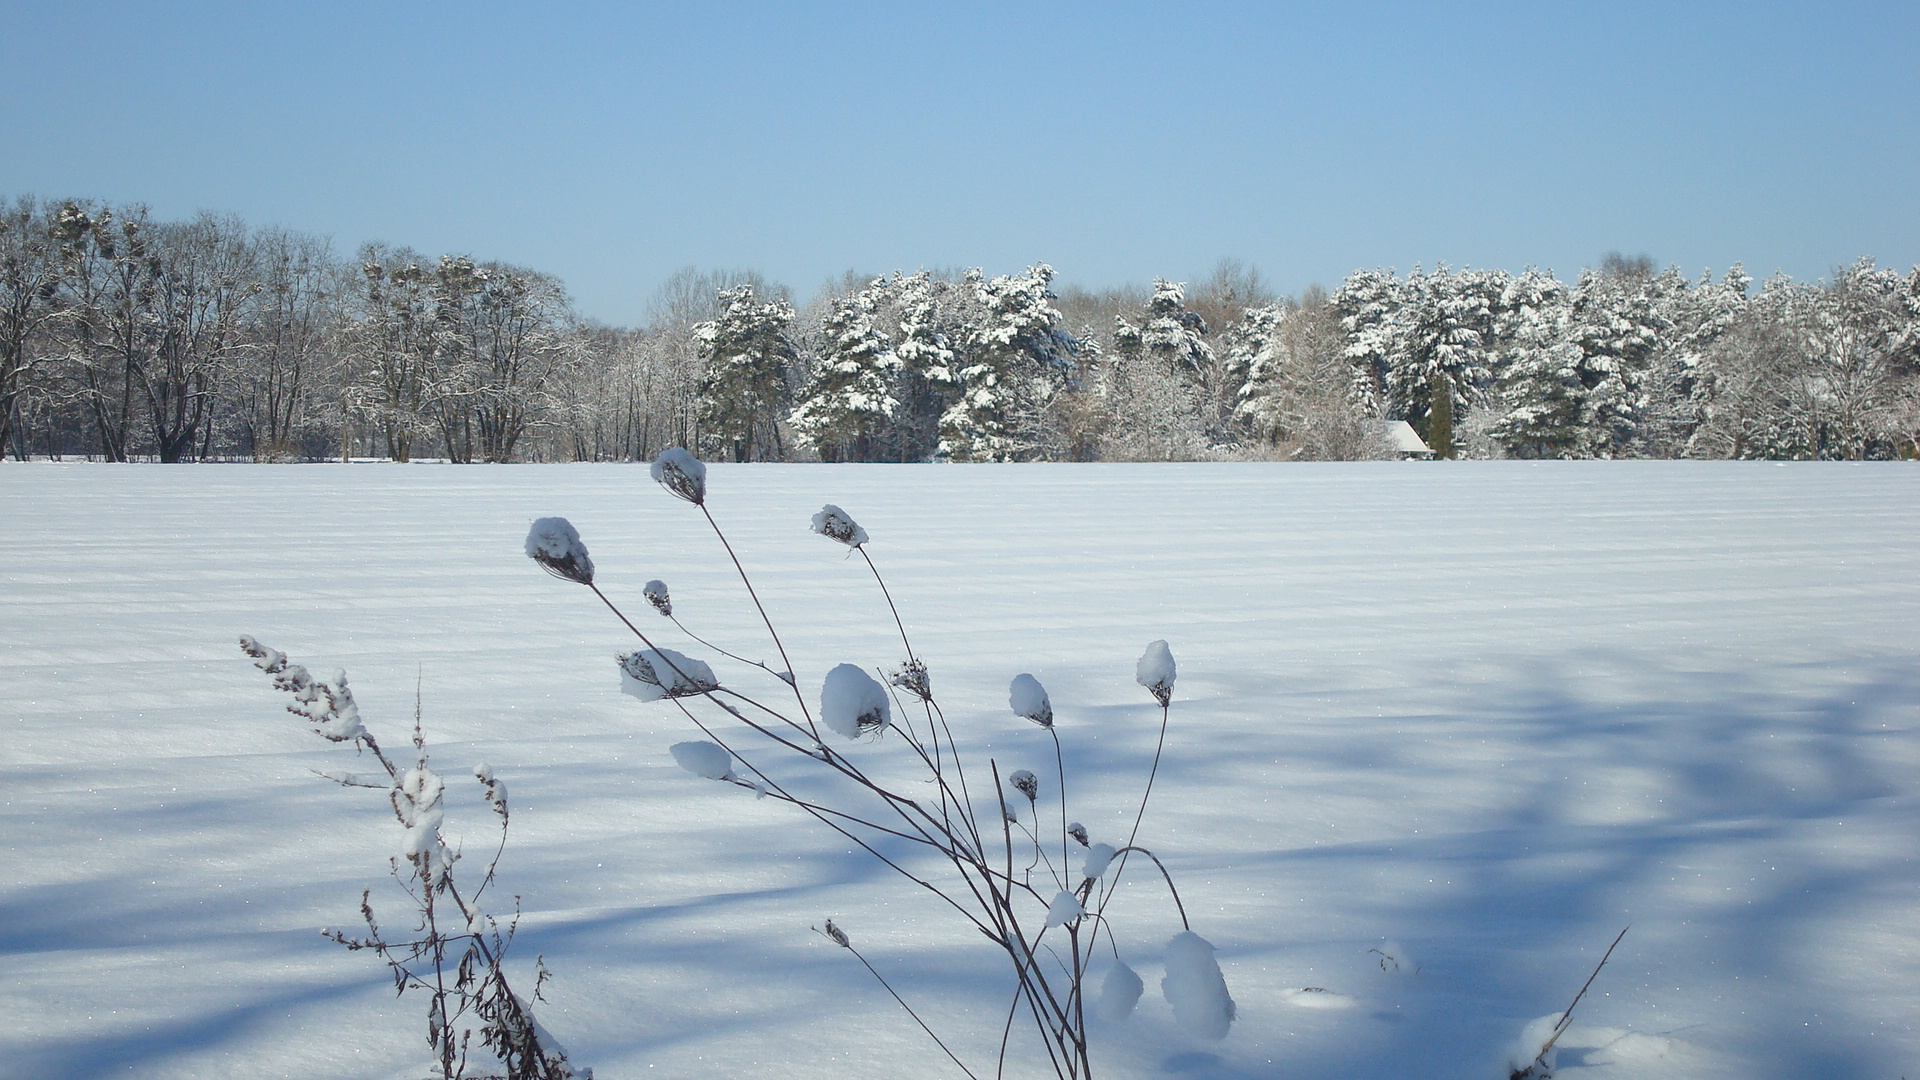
column 747, row 352
column 1619, row 329
column 1158, row 378
column 850, row 396
column 1015, row 357
column 926, row 344
column 1539, row 392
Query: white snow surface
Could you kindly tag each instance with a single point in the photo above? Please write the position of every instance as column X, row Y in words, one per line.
column 852, row 702
column 1490, row 711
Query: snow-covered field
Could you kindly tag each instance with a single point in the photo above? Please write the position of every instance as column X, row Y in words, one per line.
column 1492, row 711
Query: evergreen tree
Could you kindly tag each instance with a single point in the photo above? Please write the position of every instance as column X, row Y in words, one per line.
column 1015, row 357
column 850, row 395
column 747, row 352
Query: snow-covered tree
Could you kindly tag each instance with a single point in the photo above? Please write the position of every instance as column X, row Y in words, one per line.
column 850, row 395
column 1014, row 358
column 748, row 352
column 1161, row 376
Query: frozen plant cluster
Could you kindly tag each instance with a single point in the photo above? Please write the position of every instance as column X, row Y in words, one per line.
column 992, row 847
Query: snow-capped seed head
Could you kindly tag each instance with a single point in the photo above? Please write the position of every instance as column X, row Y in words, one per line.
column 852, row 703
column 1078, row 832
column 837, row 935
column 1025, row 783
column 682, row 474
column 656, row 593
column 1064, row 909
column 1119, row 993
column 555, row 545
column 1098, row 856
column 912, row 677
column 703, row 758
column 1156, row 672
column 834, row 524
column 1029, row 699
column 652, row 674
column 1195, row 988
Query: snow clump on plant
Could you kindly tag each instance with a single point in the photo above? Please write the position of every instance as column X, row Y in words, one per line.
column 1119, row 993
column 555, row 545
column 653, row 674
column 682, row 474
column 703, row 758
column 1029, row 699
column 852, row 703
column 834, row 524
column 1195, row 988
column 1155, row 671
column 656, row 593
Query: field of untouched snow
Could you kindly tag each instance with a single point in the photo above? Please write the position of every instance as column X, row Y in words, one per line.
column 1494, row 712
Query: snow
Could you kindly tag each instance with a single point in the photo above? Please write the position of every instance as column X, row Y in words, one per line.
column 1064, row 909
column 555, row 545
column 655, row 674
column 852, row 703
column 834, row 524
column 1098, row 856
column 1120, row 990
column 682, row 474
column 1195, row 987
column 1527, row 1047
column 703, row 758
column 1029, row 699
column 1155, row 670
column 1491, row 712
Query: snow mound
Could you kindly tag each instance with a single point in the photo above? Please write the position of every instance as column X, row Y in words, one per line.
column 1533, row 1039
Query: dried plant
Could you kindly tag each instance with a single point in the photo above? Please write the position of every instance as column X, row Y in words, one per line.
column 1005, row 873
column 457, row 951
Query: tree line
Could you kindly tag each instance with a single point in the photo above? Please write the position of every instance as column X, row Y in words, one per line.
column 126, row 338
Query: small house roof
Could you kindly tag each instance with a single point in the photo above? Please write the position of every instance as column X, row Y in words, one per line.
column 1403, row 438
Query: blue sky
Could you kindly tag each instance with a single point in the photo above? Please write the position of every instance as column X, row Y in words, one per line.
column 611, row 144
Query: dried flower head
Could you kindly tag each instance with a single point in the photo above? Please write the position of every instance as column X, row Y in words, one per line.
column 656, row 594
column 1026, row 784
column 912, row 677
column 682, row 474
column 834, row 524
column 652, row 674
column 837, row 935
column 1029, row 699
column 1155, row 671
column 555, row 545
column 1078, row 832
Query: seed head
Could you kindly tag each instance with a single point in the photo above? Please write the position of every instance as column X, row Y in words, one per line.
column 656, row 594
column 834, row 524
column 1029, row 699
column 1078, row 832
column 682, row 474
column 1026, row 784
column 911, row 676
column 555, row 545
column 1155, row 671
column 837, row 935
